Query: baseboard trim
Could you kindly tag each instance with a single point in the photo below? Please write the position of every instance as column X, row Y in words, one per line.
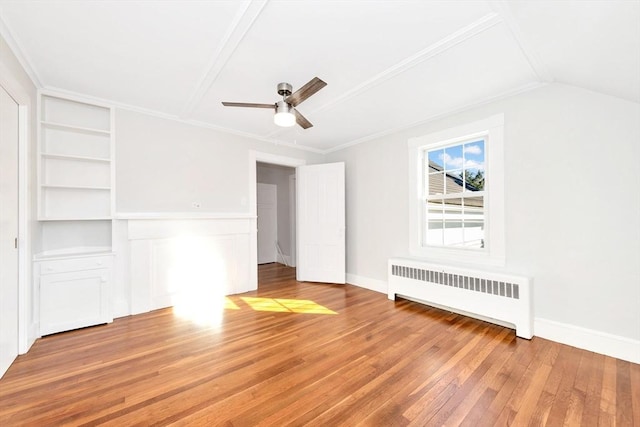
column 33, row 333
column 121, row 308
column 367, row 283
column 588, row 339
column 285, row 259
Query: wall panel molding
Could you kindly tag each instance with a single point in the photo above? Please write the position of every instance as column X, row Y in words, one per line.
column 177, row 261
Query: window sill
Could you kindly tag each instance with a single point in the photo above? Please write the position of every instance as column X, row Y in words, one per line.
column 458, row 256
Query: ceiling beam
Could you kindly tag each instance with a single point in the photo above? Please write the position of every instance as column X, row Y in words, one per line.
column 541, row 71
column 240, row 26
column 486, row 22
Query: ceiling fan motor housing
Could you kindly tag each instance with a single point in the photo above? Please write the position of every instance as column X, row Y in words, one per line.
column 284, row 89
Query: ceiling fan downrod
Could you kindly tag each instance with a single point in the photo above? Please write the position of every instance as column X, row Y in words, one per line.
column 284, row 89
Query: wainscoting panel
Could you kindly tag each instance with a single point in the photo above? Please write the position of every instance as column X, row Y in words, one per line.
column 186, row 262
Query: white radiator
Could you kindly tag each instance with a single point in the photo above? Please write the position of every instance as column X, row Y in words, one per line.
column 491, row 296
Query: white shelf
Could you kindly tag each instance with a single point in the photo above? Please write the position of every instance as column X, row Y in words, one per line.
column 73, row 157
column 183, row 215
column 74, row 218
column 80, row 252
column 63, row 126
column 75, row 187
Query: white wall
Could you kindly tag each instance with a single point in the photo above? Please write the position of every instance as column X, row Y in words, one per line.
column 19, row 85
column 572, row 190
column 279, row 176
column 164, row 166
column 572, row 193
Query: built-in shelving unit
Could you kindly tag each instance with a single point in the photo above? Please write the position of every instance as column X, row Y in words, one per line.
column 74, row 264
column 75, row 176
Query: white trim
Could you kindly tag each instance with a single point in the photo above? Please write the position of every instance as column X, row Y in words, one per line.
column 166, row 116
column 19, row 53
column 493, row 128
column 583, row 338
column 26, row 334
column 292, row 220
column 25, row 337
column 254, row 158
column 537, row 66
column 76, row 97
column 486, row 22
column 183, row 215
column 239, row 28
column 507, row 94
column 66, row 254
column 524, row 88
column 588, row 339
column 368, row 283
column 284, row 259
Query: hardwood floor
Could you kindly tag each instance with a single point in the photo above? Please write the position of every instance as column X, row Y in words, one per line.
column 375, row 362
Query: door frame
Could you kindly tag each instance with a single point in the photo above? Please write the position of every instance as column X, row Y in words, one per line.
column 293, row 199
column 26, row 337
column 254, row 158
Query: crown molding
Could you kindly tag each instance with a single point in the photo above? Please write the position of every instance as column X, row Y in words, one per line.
column 237, row 31
column 525, row 88
column 109, row 103
column 74, row 97
column 502, row 8
column 19, row 53
column 486, row 22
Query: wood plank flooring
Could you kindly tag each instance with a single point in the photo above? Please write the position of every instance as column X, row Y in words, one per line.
column 375, row 362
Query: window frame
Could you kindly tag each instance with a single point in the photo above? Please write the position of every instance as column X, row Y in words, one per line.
column 491, row 130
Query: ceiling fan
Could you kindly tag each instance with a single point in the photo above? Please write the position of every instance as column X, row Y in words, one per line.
column 286, row 114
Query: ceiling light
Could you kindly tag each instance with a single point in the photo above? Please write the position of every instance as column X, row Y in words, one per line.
column 284, row 116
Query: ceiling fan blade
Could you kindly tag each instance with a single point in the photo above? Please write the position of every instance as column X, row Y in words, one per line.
column 248, row 105
column 301, row 120
column 314, row 85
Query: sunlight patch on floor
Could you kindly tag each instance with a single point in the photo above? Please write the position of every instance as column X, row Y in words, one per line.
column 286, row 305
column 264, row 304
column 230, row 305
column 207, row 308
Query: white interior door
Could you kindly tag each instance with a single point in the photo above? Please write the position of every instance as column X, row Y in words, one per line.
column 8, row 230
column 321, row 223
column 267, row 198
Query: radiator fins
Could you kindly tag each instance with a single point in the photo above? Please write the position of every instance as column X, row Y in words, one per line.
column 475, row 284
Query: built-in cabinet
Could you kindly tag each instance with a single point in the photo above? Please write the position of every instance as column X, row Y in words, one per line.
column 74, row 292
column 74, row 266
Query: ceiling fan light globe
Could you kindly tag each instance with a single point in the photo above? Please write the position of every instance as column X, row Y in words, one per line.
column 284, row 119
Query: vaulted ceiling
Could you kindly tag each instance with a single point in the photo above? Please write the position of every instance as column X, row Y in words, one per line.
column 388, row 64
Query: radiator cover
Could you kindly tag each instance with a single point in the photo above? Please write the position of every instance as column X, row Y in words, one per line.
column 491, row 296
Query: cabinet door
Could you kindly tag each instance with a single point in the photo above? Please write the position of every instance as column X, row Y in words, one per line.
column 74, row 300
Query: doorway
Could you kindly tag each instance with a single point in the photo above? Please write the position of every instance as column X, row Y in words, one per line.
column 275, row 199
column 320, row 218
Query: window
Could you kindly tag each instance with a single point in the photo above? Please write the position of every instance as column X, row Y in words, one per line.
column 454, row 195
column 457, row 200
